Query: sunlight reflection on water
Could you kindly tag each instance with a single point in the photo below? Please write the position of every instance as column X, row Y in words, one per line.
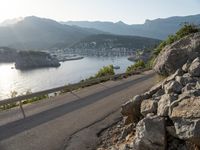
column 46, row 78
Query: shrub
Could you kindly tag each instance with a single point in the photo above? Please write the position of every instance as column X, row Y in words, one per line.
column 137, row 65
column 105, row 71
column 184, row 31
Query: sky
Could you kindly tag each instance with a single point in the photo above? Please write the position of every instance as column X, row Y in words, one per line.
column 128, row 11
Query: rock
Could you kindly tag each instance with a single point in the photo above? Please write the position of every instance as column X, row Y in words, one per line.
column 186, row 66
column 150, row 134
column 148, row 106
column 164, row 104
column 31, row 59
column 188, row 87
column 124, row 147
column 186, row 118
column 197, row 85
column 132, row 109
column 176, row 144
column 173, row 87
column 127, row 108
column 155, row 89
column 172, row 77
column 172, row 131
column 158, row 95
column 128, row 120
column 194, row 69
column 174, row 56
column 183, row 80
column 126, row 130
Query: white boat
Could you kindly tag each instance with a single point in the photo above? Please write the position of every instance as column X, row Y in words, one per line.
column 116, row 67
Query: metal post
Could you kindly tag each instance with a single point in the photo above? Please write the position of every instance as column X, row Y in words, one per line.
column 74, row 94
column 21, row 107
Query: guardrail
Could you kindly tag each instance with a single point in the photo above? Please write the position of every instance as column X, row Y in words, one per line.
column 68, row 88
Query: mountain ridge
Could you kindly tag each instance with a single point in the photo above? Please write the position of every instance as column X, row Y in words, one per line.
column 158, row 28
column 41, row 33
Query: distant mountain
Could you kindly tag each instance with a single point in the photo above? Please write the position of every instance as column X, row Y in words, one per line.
column 39, row 33
column 158, row 28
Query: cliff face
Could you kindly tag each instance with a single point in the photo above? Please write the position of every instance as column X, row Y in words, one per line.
column 167, row 117
column 29, row 60
column 175, row 55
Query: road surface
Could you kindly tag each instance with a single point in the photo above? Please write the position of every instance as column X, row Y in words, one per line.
column 49, row 124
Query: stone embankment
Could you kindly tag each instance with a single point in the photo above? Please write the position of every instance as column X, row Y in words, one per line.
column 167, row 117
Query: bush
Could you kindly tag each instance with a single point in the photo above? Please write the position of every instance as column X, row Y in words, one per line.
column 184, row 31
column 138, row 65
column 105, row 71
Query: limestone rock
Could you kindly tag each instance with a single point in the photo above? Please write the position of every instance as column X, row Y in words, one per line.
column 164, row 104
column 194, row 69
column 186, row 118
column 148, row 106
column 177, row 54
column 186, row 66
column 184, row 80
column 132, row 109
column 173, row 87
column 150, row 134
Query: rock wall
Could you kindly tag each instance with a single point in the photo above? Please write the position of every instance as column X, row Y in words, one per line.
column 167, row 117
column 177, row 54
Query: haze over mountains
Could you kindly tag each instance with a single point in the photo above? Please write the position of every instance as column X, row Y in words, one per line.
column 40, row 33
column 158, row 28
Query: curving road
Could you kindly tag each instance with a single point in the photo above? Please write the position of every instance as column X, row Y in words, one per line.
column 50, row 123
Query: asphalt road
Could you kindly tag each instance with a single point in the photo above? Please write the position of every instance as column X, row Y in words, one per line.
column 50, row 123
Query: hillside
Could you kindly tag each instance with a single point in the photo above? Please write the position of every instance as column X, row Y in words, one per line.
column 158, row 28
column 116, row 41
column 39, row 33
column 112, row 45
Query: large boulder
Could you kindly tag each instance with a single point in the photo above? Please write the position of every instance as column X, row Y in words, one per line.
column 164, row 104
column 131, row 109
column 186, row 117
column 177, row 54
column 194, row 68
column 150, row 134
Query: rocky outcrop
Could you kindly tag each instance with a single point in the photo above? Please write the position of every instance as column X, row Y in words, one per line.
column 27, row 59
column 31, row 59
column 177, row 54
column 168, row 115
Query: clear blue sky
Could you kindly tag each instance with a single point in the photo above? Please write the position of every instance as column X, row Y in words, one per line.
column 128, row 11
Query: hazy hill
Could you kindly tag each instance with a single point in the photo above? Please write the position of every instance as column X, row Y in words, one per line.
column 115, row 41
column 158, row 28
column 38, row 33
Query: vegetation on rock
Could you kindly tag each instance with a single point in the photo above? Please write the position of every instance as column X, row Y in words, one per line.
column 182, row 32
column 138, row 65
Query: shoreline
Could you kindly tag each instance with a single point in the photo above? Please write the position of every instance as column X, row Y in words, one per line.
column 9, row 103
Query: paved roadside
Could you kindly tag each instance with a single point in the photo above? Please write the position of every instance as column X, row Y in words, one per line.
column 50, row 123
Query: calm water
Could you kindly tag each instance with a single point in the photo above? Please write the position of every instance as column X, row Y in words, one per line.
column 41, row 79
